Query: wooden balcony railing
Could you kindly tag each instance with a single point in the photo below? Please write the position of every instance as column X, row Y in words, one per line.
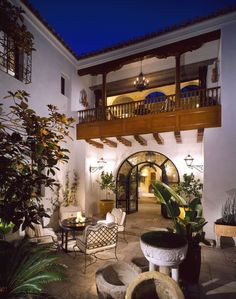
column 188, row 100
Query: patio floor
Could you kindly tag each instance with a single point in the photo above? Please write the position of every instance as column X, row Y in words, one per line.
column 218, row 269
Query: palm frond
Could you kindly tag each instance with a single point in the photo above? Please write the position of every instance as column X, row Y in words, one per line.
column 28, row 268
column 34, row 285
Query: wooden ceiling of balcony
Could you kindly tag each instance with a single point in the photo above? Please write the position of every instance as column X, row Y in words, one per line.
column 156, row 79
column 173, row 49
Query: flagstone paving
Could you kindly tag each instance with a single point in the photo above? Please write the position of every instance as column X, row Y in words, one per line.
column 218, row 269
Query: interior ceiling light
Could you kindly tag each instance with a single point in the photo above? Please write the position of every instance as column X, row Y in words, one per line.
column 141, row 82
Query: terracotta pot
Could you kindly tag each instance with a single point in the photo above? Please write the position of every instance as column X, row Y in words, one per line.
column 105, row 205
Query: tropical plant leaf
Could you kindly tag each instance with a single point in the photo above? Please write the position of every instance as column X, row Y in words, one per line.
column 27, row 269
column 192, row 224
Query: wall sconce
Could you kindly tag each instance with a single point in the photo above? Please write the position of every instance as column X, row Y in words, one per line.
column 99, row 166
column 189, row 162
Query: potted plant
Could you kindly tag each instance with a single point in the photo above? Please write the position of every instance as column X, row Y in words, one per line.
column 190, row 187
column 226, row 225
column 107, row 183
column 188, row 221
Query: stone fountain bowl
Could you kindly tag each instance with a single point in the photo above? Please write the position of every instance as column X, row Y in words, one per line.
column 153, row 285
column 164, row 248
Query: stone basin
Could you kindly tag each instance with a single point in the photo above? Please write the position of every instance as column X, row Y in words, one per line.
column 164, row 249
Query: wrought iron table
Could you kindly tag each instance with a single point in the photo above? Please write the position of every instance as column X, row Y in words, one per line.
column 70, row 225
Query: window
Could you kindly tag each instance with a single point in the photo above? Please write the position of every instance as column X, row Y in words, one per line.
column 14, row 61
column 63, row 83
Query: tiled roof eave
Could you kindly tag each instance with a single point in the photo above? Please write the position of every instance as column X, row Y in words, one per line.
column 52, row 31
column 154, row 35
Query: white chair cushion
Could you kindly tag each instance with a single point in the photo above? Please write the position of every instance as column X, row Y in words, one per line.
column 30, row 233
column 119, row 216
column 110, row 218
column 37, row 232
column 49, row 232
column 122, row 221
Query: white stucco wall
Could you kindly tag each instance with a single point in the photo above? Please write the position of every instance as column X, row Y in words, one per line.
column 115, row 156
column 220, row 143
column 49, row 62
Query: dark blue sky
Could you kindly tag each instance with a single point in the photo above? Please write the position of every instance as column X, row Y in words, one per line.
column 90, row 25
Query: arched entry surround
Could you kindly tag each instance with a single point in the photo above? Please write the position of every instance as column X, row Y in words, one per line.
column 129, row 176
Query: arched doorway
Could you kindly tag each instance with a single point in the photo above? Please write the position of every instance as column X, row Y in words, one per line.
column 130, row 177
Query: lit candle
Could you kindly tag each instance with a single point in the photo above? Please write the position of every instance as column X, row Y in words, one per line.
column 78, row 215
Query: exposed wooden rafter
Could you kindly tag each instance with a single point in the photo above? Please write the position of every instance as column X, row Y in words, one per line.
column 200, row 134
column 164, row 51
column 164, row 77
column 178, row 137
column 124, row 141
column 158, row 138
column 109, row 142
column 94, row 143
column 140, row 139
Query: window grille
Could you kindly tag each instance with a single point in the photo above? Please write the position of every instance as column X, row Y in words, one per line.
column 13, row 60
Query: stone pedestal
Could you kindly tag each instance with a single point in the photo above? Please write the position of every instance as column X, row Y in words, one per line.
column 164, row 249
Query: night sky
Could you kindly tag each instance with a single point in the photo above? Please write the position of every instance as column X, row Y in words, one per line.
column 87, row 26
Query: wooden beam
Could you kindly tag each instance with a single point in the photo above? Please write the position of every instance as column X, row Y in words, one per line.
column 177, row 81
column 188, row 72
column 200, row 134
column 178, row 137
column 163, row 51
column 94, row 143
column 158, row 138
column 109, row 142
column 124, row 141
column 140, row 139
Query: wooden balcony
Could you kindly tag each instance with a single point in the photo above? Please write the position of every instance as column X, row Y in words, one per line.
column 194, row 110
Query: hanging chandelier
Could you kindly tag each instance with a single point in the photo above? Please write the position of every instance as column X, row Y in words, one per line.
column 141, row 82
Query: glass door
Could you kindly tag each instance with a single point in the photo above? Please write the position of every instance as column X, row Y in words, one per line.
column 122, row 186
column 133, row 191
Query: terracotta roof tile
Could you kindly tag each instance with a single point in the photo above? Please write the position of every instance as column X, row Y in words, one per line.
column 163, row 31
column 132, row 41
column 45, row 23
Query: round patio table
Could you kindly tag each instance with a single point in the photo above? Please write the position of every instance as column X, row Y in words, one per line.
column 70, row 225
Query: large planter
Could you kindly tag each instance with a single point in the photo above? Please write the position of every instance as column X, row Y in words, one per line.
column 224, row 230
column 189, row 269
column 105, row 206
column 164, row 249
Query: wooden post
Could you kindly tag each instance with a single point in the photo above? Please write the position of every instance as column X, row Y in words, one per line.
column 177, row 80
column 104, row 95
column 98, row 104
column 202, row 82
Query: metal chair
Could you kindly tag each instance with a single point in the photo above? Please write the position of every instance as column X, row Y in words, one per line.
column 96, row 239
column 42, row 236
column 117, row 216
